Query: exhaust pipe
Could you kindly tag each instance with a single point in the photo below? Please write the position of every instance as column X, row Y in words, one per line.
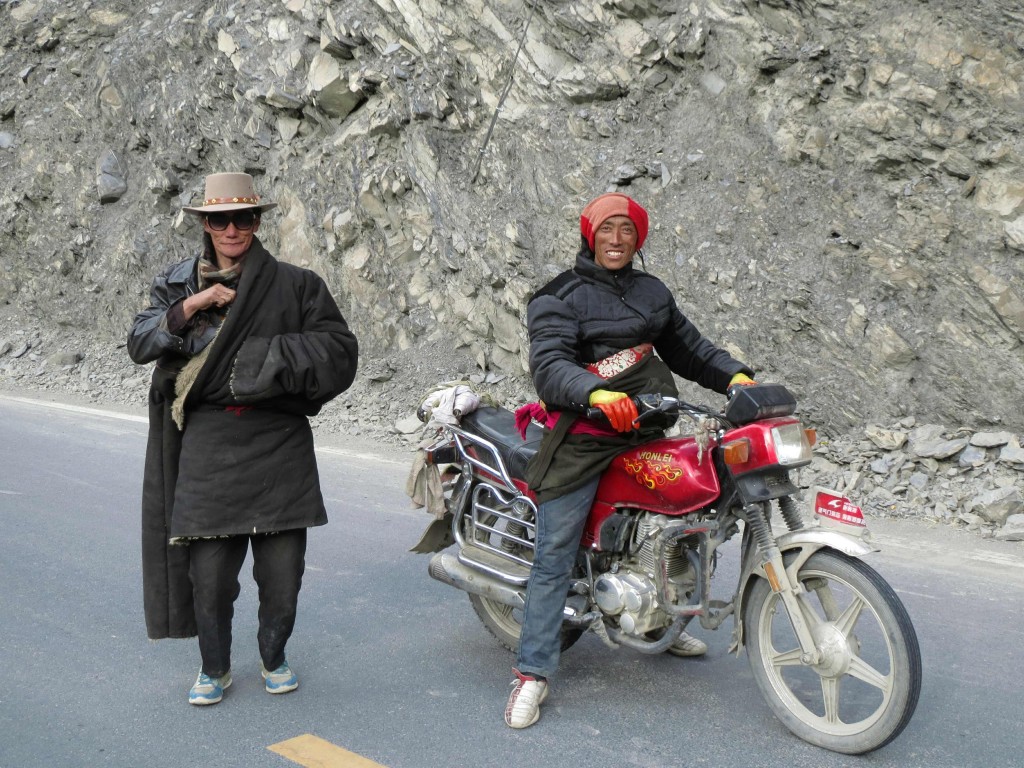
column 446, row 568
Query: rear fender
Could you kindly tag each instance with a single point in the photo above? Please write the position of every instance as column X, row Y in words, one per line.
column 803, row 543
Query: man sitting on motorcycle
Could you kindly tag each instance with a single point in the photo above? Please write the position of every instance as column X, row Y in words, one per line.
column 600, row 333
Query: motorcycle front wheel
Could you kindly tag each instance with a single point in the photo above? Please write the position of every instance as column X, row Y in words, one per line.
column 505, row 623
column 861, row 691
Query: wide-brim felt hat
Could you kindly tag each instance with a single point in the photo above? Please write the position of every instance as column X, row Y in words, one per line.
column 229, row 192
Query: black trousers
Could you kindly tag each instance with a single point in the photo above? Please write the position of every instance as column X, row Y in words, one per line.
column 279, row 560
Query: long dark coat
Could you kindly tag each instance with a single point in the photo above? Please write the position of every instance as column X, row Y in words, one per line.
column 244, row 462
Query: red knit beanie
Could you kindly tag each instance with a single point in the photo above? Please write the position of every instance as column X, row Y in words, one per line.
column 613, row 204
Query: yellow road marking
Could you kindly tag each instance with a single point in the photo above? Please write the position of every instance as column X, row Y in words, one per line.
column 313, row 752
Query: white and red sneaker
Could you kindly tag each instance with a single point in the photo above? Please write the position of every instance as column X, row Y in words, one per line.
column 528, row 693
column 688, row 645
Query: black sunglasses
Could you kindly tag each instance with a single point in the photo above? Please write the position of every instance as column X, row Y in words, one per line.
column 243, row 220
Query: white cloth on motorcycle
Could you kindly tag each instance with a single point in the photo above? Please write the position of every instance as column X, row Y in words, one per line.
column 498, row 425
column 447, row 406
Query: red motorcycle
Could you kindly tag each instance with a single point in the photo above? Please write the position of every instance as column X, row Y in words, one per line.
column 831, row 646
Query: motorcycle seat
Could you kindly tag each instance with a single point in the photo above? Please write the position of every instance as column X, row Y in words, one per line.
column 498, row 426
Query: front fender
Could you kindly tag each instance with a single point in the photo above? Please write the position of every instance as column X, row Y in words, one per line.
column 805, row 543
column 812, row 539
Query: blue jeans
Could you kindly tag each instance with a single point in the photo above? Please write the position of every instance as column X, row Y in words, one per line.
column 559, row 528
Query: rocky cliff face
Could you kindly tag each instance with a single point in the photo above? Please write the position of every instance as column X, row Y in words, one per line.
column 836, row 186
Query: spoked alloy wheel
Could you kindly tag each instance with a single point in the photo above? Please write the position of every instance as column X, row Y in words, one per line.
column 862, row 690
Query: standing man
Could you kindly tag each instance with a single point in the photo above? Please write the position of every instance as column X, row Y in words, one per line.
column 246, row 349
column 600, row 334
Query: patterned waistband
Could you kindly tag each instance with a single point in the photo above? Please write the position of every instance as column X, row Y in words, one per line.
column 620, row 361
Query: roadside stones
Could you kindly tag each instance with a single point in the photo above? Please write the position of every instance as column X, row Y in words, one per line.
column 1012, row 530
column 65, row 358
column 1012, row 454
column 932, row 473
column 996, row 505
column 939, row 449
column 991, row 439
column 886, row 439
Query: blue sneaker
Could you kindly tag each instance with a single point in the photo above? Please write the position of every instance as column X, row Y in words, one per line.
column 208, row 690
column 280, row 680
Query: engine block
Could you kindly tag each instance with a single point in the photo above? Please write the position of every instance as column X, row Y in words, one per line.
column 629, row 592
column 632, row 597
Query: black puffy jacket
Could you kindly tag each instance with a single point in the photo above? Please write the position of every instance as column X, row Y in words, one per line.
column 588, row 313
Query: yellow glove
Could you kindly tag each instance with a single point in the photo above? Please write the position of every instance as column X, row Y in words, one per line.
column 604, row 396
column 739, row 380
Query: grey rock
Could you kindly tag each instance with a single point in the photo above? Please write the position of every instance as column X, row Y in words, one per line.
column 713, row 83
column 997, row 505
column 886, row 439
column 409, row 425
column 109, row 188
column 938, row 449
column 65, row 358
column 991, row 439
column 919, row 481
column 379, row 372
column 972, row 456
column 111, row 177
column 1012, row 530
column 1012, row 454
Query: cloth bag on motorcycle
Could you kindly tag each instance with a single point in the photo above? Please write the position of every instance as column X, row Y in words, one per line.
column 445, row 407
column 565, row 461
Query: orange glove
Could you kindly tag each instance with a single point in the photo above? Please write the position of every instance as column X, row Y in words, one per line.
column 618, row 407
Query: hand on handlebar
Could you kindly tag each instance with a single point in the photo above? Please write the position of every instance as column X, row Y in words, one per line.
column 618, row 408
column 739, row 380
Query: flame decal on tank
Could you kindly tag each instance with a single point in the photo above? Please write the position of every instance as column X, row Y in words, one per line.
column 653, row 470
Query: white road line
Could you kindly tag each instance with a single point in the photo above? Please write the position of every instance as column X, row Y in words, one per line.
column 145, row 420
column 76, row 409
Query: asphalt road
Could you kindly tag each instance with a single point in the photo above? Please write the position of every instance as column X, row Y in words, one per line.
column 395, row 667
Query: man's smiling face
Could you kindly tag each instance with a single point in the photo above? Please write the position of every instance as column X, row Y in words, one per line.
column 615, row 242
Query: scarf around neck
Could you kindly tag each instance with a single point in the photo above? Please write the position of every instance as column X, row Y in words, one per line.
column 208, row 274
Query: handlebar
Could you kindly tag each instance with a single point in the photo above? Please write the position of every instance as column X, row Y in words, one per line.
column 747, row 404
column 648, row 406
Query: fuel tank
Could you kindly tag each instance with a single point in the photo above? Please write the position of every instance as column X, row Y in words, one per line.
column 664, row 476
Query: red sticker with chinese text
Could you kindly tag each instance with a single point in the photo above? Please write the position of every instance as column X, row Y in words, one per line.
column 832, row 506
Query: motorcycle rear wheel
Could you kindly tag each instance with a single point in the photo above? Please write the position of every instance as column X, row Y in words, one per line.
column 505, row 623
column 863, row 690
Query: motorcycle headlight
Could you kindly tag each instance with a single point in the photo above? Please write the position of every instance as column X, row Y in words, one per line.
column 792, row 448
